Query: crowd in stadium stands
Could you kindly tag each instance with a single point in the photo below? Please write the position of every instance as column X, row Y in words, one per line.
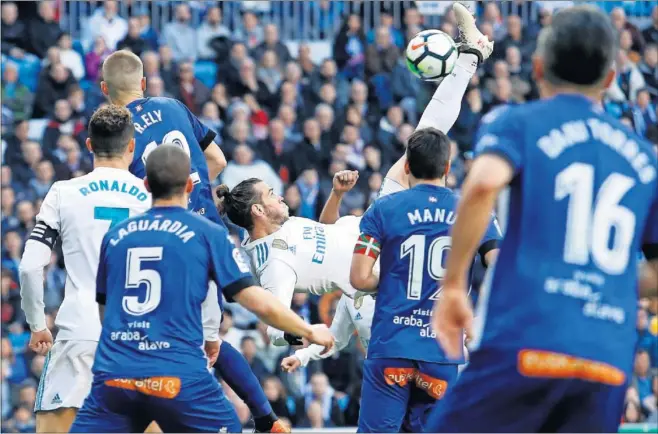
column 285, row 119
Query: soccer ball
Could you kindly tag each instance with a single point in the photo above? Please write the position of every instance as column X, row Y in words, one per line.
column 431, row 55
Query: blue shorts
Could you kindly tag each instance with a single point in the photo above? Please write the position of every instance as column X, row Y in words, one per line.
column 398, row 394
column 177, row 405
column 499, row 392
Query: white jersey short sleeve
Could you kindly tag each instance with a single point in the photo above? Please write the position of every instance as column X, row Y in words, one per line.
column 80, row 211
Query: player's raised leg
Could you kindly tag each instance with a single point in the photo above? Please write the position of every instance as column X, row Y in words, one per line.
column 444, row 107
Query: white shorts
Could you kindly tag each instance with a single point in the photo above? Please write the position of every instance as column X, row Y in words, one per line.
column 66, row 378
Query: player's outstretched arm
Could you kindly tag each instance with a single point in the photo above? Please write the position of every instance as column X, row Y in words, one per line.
column 272, row 312
column 211, row 314
column 279, row 279
column 362, row 276
column 215, row 159
column 343, row 182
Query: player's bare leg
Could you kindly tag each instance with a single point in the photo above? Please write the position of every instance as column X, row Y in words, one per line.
column 443, row 110
column 55, row 421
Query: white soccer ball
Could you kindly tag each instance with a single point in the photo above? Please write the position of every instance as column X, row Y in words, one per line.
column 431, row 55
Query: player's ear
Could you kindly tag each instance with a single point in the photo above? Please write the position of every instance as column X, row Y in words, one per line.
column 189, row 186
column 104, row 88
column 143, row 84
column 146, row 185
column 407, row 171
column 88, row 144
column 131, row 145
column 257, row 209
column 447, row 171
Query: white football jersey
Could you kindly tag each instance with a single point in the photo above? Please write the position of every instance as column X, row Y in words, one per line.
column 81, row 211
column 346, row 320
column 305, row 256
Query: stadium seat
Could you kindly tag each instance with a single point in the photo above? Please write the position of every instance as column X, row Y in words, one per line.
column 206, row 72
column 28, row 70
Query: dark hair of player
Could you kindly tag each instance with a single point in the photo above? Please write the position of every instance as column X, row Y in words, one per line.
column 167, row 171
column 428, row 153
column 579, row 47
column 237, row 203
column 110, row 130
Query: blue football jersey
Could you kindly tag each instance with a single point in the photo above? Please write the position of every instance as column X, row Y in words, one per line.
column 581, row 205
column 412, row 229
column 152, row 277
column 166, row 120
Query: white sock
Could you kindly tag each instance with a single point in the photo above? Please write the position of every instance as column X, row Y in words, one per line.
column 444, row 107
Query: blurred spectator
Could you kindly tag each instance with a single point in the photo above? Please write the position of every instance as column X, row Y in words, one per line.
column 258, row 117
column 251, row 32
column 305, row 61
column 650, row 34
column 24, row 171
column 271, row 42
column 618, row 17
column 12, row 248
column 413, row 23
column 221, row 100
column 273, row 148
column 210, row 117
column 229, row 70
column 492, row 17
column 519, row 87
column 269, row 72
column 69, row 57
column 134, row 41
column 628, row 80
column 168, row 67
column 95, row 57
column 44, row 178
column 308, row 184
column 191, row 91
column 469, row 118
column 396, row 38
column 649, row 70
column 381, row 56
column 641, row 374
column 106, row 23
column 211, row 28
column 644, row 112
column 13, row 32
column 43, row 30
column 243, row 166
column 321, row 395
column 350, row 47
column 514, row 37
column 327, row 73
column 62, row 122
column 180, row 36
column 147, row 31
column 15, row 95
column 155, row 87
column 277, row 396
column 387, row 130
column 288, row 115
column 249, row 349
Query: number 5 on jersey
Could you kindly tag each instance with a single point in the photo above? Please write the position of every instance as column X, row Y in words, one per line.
column 137, row 276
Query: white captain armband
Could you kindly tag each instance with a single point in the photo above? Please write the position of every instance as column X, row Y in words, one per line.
column 44, row 234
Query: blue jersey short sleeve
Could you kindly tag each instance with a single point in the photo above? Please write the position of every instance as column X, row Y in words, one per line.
column 230, row 271
column 203, row 134
column 371, row 224
column 499, row 134
column 650, row 239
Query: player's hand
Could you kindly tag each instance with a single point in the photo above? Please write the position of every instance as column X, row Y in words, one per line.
column 452, row 316
column 211, row 349
column 41, row 342
column 290, row 364
column 322, row 336
column 345, row 180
